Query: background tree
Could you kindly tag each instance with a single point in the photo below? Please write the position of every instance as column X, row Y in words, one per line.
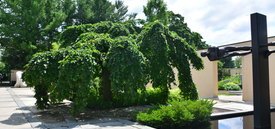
column 120, row 12
column 228, row 62
column 31, row 26
column 83, row 12
column 223, row 66
column 94, row 11
column 238, row 62
column 156, row 10
column 27, row 27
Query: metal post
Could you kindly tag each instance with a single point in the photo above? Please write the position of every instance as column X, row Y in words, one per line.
column 261, row 97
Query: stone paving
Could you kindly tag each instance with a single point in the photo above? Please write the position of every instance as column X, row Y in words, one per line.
column 17, row 111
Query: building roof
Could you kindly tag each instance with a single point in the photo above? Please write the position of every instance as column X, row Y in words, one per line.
column 247, row 43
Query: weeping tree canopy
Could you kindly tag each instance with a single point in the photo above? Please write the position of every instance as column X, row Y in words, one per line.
column 128, row 67
column 166, row 50
column 72, row 34
column 122, row 61
column 92, row 52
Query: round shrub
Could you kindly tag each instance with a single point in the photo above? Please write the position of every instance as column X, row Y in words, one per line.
column 178, row 114
column 233, row 79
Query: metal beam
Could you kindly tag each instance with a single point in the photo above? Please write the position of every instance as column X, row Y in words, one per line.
column 261, row 97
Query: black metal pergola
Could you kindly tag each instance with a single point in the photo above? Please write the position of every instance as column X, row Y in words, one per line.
column 260, row 54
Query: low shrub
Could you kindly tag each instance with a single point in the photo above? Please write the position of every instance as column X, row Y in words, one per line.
column 148, row 97
column 178, row 114
column 231, row 86
column 231, row 83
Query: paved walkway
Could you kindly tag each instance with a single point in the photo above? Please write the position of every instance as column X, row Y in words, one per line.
column 17, row 111
column 232, row 103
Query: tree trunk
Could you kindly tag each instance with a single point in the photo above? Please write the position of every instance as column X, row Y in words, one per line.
column 106, row 85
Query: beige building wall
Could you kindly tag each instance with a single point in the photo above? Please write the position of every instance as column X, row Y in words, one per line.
column 248, row 78
column 206, row 80
column 235, row 71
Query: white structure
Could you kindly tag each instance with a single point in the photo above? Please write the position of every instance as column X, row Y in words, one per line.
column 19, row 81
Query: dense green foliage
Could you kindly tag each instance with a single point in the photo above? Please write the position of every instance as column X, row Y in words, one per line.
column 178, row 115
column 238, row 62
column 149, row 96
column 230, row 83
column 76, row 77
column 31, row 26
column 165, row 50
column 229, row 86
column 59, row 75
column 156, row 10
column 94, row 11
column 93, row 58
column 71, row 34
column 227, row 62
column 42, row 73
column 130, row 77
column 27, row 27
column 108, row 64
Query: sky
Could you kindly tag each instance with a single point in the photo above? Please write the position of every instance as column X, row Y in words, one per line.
column 219, row 22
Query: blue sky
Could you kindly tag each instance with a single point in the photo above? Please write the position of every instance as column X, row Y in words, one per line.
column 218, row 21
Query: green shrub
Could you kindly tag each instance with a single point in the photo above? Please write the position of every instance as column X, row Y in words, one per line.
column 178, row 114
column 148, row 97
column 233, row 81
column 231, row 86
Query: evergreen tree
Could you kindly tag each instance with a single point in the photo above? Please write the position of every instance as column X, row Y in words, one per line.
column 228, row 62
column 156, row 10
column 94, row 11
column 27, row 27
column 120, row 11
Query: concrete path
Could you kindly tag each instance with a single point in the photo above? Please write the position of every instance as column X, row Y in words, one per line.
column 17, row 111
column 232, row 103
